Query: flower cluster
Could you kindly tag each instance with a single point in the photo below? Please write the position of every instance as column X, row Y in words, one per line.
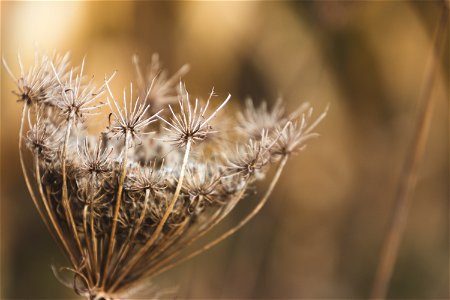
column 127, row 204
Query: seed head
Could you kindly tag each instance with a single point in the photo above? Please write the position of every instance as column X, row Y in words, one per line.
column 250, row 159
column 121, row 214
column 76, row 98
column 201, row 185
column 191, row 123
column 131, row 118
column 44, row 139
column 37, row 84
column 94, row 160
column 149, row 177
column 163, row 89
column 293, row 136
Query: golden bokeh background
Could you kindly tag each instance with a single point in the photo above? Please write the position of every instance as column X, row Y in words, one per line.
column 320, row 234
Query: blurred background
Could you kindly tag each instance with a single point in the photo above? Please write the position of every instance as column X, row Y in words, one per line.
column 320, row 234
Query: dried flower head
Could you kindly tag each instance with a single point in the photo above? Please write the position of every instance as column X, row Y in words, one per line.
column 150, row 177
column 250, row 158
column 38, row 83
column 43, row 139
column 125, row 211
column 191, row 123
column 155, row 86
column 94, row 161
column 129, row 120
column 76, row 98
column 294, row 135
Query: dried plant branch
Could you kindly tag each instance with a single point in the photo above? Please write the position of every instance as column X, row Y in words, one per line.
column 125, row 208
column 408, row 177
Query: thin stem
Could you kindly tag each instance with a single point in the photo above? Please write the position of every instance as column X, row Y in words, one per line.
column 117, row 208
column 161, row 223
column 130, row 240
column 65, row 198
column 222, row 237
column 186, row 243
column 95, row 255
column 50, row 214
column 94, row 241
column 25, row 173
column 33, row 195
column 408, row 177
column 90, row 261
column 167, row 242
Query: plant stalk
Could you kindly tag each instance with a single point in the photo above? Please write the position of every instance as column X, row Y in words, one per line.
column 408, row 179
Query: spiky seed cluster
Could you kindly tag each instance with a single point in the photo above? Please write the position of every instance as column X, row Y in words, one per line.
column 43, row 139
column 94, row 160
column 38, row 84
column 192, row 122
column 129, row 120
column 124, row 211
column 75, row 98
column 155, row 86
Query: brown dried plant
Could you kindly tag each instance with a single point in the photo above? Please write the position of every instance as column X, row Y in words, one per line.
column 129, row 204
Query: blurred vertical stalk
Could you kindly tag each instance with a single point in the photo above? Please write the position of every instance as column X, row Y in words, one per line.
column 410, row 167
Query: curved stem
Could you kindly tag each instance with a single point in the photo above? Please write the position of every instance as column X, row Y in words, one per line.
column 161, row 223
column 130, row 240
column 51, row 216
column 25, row 173
column 220, row 238
column 112, row 236
column 169, row 239
column 186, row 243
column 33, row 195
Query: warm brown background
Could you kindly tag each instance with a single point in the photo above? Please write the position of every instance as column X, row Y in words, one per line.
column 320, row 234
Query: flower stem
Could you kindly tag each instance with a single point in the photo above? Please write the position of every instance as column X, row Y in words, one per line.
column 24, row 171
column 156, row 269
column 65, row 197
column 161, row 223
column 116, row 209
column 50, row 214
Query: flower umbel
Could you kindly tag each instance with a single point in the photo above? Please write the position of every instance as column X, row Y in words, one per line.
column 125, row 208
